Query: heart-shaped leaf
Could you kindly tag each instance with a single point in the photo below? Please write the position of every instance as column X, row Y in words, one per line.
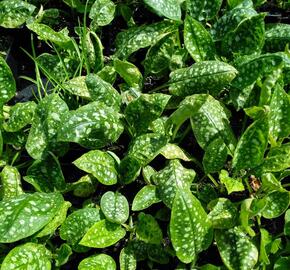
column 236, row 249
column 8, row 85
column 167, row 8
column 28, row 256
column 94, row 125
column 148, row 230
column 145, row 198
column 190, row 228
column 100, row 262
column 26, row 214
column 172, row 178
column 201, row 77
column 103, row 234
column 115, row 207
column 198, row 40
column 100, row 164
column 78, row 223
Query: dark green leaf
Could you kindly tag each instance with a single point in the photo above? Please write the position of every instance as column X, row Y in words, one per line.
column 277, row 36
column 287, row 223
column 7, row 85
column 62, row 254
column 203, row 9
column 282, row 263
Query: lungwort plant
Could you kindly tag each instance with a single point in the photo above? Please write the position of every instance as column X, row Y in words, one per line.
column 152, row 135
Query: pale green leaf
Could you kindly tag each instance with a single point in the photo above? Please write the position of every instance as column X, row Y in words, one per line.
column 127, row 259
column 98, row 262
column 144, row 198
column 231, row 184
column 173, row 151
column 7, row 82
column 102, row 12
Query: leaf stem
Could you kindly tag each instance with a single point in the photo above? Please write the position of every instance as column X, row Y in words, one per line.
column 213, row 180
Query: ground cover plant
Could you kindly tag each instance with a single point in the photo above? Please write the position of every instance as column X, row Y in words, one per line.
column 144, row 134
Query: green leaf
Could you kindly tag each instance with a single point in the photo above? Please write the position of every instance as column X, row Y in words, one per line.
column 215, row 156
column 203, row 9
column 148, row 230
column 93, row 126
column 102, row 12
column 8, row 85
column 287, row 223
column 277, row 204
column 103, row 234
column 27, row 256
column 100, row 164
column 190, row 228
column 108, row 74
column 223, row 213
column 167, row 8
column 270, row 182
column 20, row 115
column 231, row 184
column 46, row 175
column 279, row 114
column 141, row 112
column 129, row 169
column 129, row 72
column 46, row 121
column 11, row 183
column 277, row 36
column 62, row 254
column 198, row 40
column 236, row 249
column 60, row 217
column 135, row 38
column 282, row 263
column 201, row 77
column 26, row 214
column 78, row 223
column 173, row 151
column 127, row 259
column 278, row 159
column 102, row 91
column 85, row 186
column 159, row 56
column 14, row 13
column 44, row 32
column 251, row 147
column 100, row 262
column 172, row 178
column 145, row 198
column 115, row 207
column 146, row 147
column 247, row 38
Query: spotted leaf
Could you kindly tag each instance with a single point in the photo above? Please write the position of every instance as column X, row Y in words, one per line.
column 252, row 145
column 14, row 13
column 167, row 8
column 100, row 262
column 102, row 91
column 94, row 125
column 173, row 151
column 279, row 114
column 136, row 38
column 103, row 234
column 190, row 228
column 148, row 230
column 102, row 12
column 46, row 175
column 231, row 184
column 11, row 183
column 46, row 121
column 20, row 115
column 145, row 198
column 129, row 169
column 7, row 85
column 215, row 156
column 277, row 204
column 223, row 213
column 203, row 9
column 28, row 256
column 127, row 259
column 172, row 178
column 201, row 77
column 277, row 36
column 198, row 40
column 141, row 112
column 26, row 214
column 236, row 249
column 100, row 164
column 78, row 223
column 115, row 207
